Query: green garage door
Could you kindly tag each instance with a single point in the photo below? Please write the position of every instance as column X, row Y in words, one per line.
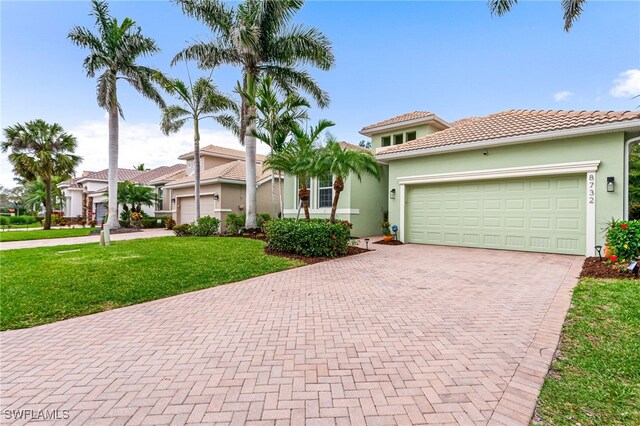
column 531, row 214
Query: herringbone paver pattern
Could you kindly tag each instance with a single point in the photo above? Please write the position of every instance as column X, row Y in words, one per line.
column 402, row 335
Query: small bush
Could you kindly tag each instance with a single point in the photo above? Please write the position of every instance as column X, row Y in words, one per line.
column 623, row 240
column 183, row 230
column 169, row 223
column 235, row 223
column 262, row 219
column 123, row 223
column 205, row 227
column 314, row 238
column 20, row 220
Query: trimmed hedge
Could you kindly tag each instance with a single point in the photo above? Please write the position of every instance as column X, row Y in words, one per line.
column 314, row 238
column 235, row 223
column 19, row 220
column 183, row 230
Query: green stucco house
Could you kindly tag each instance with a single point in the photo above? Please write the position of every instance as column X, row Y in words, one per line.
column 542, row 181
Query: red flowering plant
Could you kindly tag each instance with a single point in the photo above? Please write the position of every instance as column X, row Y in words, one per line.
column 623, row 240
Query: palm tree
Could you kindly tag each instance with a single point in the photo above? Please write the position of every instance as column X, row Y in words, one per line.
column 571, row 8
column 299, row 158
column 139, row 167
column 340, row 161
column 35, row 194
column 136, row 196
column 114, row 50
column 275, row 121
column 200, row 100
column 256, row 36
column 41, row 150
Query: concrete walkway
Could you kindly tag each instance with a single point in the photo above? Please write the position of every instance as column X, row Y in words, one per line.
column 146, row 233
column 403, row 335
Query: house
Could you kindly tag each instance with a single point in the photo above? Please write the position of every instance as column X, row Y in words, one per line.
column 362, row 202
column 87, row 193
column 542, row 181
column 222, row 186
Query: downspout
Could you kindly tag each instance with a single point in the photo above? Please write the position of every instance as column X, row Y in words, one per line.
column 627, row 153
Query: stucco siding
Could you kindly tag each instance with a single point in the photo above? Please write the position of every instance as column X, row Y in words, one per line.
column 606, row 148
column 423, row 130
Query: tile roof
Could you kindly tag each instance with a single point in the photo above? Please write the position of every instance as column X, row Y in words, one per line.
column 234, row 170
column 348, row 145
column 512, row 123
column 229, row 152
column 71, row 183
column 123, row 174
column 159, row 172
column 399, row 119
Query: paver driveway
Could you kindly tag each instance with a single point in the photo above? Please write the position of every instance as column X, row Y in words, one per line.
column 411, row 334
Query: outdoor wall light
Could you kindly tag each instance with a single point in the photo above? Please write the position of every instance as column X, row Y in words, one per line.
column 599, row 250
column 633, row 268
column 392, row 194
column 173, row 201
column 394, row 228
column 216, row 196
column 611, row 184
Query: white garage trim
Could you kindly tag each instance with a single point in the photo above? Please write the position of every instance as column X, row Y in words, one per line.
column 588, row 167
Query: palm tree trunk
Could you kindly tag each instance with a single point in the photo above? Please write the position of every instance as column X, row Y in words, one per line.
column 47, row 203
column 304, row 195
column 196, row 159
column 250, row 160
column 338, row 186
column 113, row 168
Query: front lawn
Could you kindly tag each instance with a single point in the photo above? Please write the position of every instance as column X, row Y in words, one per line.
column 596, row 378
column 48, row 284
column 43, row 235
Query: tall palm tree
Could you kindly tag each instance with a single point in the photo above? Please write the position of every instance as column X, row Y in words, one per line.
column 274, row 123
column 256, row 36
column 200, row 100
column 571, row 9
column 113, row 52
column 41, row 150
column 340, row 161
column 299, row 158
column 35, row 195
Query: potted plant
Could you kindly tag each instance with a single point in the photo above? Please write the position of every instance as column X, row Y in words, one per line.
column 386, row 231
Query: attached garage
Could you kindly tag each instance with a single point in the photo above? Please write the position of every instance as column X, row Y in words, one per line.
column 542, row 214
column 187, row 208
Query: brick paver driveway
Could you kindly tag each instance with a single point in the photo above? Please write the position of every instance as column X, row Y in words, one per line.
column 402, row 335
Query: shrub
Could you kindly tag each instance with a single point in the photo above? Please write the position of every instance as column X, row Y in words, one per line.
column 169, row 223
column 123, row 223
column 262, row 219
column 235, row 223
column 20, row 220
column 623, row 239
column 125, row 215
column 634, row 211
column 317, row 237
column 183, row 230
column 206, row 226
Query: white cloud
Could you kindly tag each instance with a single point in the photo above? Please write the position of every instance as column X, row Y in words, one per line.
column 562, row 96
column 138, row 143
column 628, row 85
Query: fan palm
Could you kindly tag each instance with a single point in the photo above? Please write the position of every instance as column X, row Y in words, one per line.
column 200, row 100
column 340, row 161
column 571, row 9
column 35, row 194
column 256, row 35
column 114, row 50
column 299, row 158
column 275, row 121
column 41, row 150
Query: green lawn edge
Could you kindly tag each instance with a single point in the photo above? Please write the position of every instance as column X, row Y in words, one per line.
column 8, row 236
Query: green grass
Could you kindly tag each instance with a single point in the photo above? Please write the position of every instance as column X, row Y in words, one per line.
column 23, row 226
column 48, row 284
column 596, row 378
column 43, row 235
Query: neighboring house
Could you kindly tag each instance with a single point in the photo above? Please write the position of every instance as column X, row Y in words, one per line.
column 86, row 195
column 222, row 186
column 543, row 181
column 362, row 202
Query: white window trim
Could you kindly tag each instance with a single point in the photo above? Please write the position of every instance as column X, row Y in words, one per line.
column 588, row 167
column 318, row 188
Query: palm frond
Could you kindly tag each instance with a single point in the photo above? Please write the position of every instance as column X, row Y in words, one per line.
column 304, row 45
column 572, row 10
column 500, row 7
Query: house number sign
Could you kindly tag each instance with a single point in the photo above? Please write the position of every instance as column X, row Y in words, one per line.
column 591, row 188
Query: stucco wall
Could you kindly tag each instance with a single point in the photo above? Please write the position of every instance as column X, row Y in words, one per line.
column 423, row 130
column 608, row 148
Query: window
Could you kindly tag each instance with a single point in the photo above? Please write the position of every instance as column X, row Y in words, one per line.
column 411, row 136
column 159, row 200
column 325, row 191
column 386, row 140
column 397, row 139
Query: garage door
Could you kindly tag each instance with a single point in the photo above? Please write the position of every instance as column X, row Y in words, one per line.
column 531, row 214
column 187, row 209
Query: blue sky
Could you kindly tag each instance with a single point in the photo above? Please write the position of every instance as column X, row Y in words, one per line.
column 452, row 58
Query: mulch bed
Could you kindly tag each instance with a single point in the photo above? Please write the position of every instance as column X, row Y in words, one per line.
column 311, row 260
column 595, row 268
column 389, row 243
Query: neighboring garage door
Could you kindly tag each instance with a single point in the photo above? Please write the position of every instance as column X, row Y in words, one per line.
column 187, row 211
column 531, row 214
